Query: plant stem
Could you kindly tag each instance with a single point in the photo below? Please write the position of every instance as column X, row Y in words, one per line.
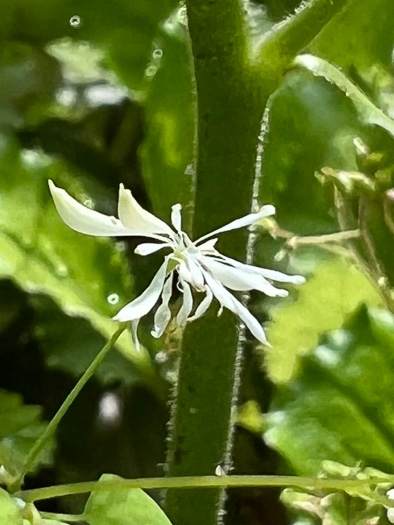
column 53, row 424
column 285, row 40
column 232, row 90
column 205, row 482
column 62, row 517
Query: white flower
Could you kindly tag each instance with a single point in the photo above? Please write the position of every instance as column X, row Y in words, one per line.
column 390, row 512
column 198, row 265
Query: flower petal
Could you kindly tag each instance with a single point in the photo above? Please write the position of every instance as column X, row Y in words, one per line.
column 196, row 278
column 240, row 280
column 83, row 219
column 147, row 300
column 138, row 220
column 147, row 248
column 163, row 313
column 208, row 247
column 134, row 334
column 268, row 274
column 176, row 217
column 203, row 306
column 187, row 304
column 248, row 220
column 231, row 303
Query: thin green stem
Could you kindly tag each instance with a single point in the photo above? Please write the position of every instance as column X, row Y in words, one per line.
column 53, row 424
column 62, row 517
column 205, row 482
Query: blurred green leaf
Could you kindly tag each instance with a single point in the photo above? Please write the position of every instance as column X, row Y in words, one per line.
column 359, row 36
column 9, row 513
column 368, row 112
column 86, row 277
column 340, row 405
column 311, row 125
column 323, row 303
column 125, row 30
column 20, row 426
column 27, row 76
column 70, row 344
column 167, row 152
column 123, row 507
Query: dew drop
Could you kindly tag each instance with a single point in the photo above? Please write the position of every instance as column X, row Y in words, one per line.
column 61, row 270
column 157, row 53
column 113, row 298
column 219, row 471
column 151, row 71
column 75, row 21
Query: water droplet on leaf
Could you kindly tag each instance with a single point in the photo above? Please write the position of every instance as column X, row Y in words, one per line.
column 113, row 298
column 75, row 21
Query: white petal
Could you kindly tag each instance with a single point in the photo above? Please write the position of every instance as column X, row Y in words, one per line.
column 176, row 217
column 85, row 220
column 231, row 303
column 390, row 515
column 238, row 279
column 248, row 220
column 163, row 313
column 203, row 306
column 134, row 334
column 268, row 274
column 196, row 278
column 147, row 248
column 209, row 246
column 187, row 304
column 184, row 272
column 147, row 300
column 138, row 220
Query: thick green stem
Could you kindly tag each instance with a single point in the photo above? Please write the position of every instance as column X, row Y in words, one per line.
column 230, row 107
column 42, row 441
column 205, row 482
column 232, row 91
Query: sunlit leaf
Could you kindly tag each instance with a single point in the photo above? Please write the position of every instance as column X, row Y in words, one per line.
column 340, row 405
column 9, row 513
column 334, row 290
column 123, row 507
column 86, row 277
column 20, row 426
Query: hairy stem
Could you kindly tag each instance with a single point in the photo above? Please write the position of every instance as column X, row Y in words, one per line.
column 53, row 424
column 205, row 482
column 232, row 93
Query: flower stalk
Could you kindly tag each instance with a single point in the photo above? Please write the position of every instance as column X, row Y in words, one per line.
column 48, row 433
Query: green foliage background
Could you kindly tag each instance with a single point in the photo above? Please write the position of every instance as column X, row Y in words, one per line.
column 109, row 98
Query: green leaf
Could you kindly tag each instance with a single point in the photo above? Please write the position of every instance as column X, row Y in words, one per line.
column 26, row 74
column 86, row 277
column 340, row 406
column 323, row 303
column 123, row 507
column 71, row 344
column 20, row 426
column 359, row 36
column 167, row 152
column 9, row 513
column 368, row 112
column 125, row 30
